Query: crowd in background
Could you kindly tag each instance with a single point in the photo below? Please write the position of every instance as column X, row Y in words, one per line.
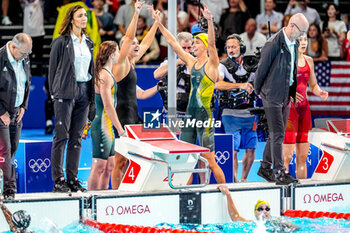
column 327, row 36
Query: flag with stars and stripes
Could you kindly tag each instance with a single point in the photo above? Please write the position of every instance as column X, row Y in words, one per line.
column 333, row 77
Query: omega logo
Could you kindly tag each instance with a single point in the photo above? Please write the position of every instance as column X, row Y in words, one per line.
column 125, row 210
column 327, row 197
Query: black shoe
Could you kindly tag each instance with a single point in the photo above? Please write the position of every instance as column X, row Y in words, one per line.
column 9, row 195
column 283, row 178
column 267, row 174
column 75, row 185
column 60, row 186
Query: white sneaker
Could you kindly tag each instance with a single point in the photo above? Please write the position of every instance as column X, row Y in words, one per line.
column 6, row 21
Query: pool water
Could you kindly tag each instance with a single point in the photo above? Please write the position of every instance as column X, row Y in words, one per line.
column 305, row 225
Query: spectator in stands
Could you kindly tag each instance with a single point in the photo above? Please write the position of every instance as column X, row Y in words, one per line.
column 192, row 11
column 299, row 120
column 152, row 53
column 285, row 20
column 300, row 6
column 348, row 35
column 107, row 28
column 113, row 6
column 182, row 16
column 71, row 83
column 124, row 16
column 334, row 30
column 252, row 38
column 5, row 7
column 182, row 24
column 275, row 19
column 216, row 7
column 33, row 25
column 346, row 48
column 317, row 44
column 14, row 92
column 234, row 18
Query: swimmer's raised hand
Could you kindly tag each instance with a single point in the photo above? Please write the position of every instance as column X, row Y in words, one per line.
column 206, row 13
column 138, row 6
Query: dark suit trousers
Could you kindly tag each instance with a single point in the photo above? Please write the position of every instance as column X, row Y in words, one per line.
column 9, row 139
column 70, row 119
column 277, row 117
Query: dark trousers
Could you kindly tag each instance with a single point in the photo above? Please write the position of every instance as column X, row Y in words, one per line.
column 70, row 119
column 277, row 117
column 9, row 139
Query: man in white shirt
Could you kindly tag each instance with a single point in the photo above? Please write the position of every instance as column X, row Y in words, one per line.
column 252, row 38
column 275, row 19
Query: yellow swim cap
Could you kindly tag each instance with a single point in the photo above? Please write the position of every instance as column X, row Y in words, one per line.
column 258, row 203
column 203, row 37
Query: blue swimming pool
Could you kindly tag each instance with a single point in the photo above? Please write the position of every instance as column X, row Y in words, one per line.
column 305, row 225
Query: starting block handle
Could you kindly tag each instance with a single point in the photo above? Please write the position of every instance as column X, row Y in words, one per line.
column 206, row 170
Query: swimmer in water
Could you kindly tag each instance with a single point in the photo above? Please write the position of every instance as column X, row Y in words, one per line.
column 262, row 212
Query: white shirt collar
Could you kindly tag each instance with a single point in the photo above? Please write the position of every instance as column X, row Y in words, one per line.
column 76, row 39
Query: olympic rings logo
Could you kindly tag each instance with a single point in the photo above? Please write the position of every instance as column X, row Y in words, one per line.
column 222, row 157
column 39, row 165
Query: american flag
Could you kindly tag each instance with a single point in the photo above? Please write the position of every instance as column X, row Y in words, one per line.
column 333, row 77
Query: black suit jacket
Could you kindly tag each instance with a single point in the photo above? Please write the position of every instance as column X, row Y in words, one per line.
column 8, row 83
column 273, row 74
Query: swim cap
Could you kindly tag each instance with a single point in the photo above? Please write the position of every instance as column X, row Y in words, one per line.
column 258, row 203
column 203, row 37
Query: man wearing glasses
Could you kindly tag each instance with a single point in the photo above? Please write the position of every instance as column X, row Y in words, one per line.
column 275, row 81
column 14, row 91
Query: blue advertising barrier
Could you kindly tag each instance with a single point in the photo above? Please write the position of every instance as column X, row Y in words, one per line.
column 312, row 160
column 33, row 166
column 224, row 156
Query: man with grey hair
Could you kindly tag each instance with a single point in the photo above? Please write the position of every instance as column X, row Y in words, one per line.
column 14, row 82
column 275, row 81
column 183, row 77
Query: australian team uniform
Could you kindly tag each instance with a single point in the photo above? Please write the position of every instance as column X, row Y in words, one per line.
column 198, row 109
column 102, row 132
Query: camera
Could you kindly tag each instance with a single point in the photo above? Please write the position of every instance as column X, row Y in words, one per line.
column 262, row 127
column 250, row 63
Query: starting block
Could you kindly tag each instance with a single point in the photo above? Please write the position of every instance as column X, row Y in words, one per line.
column 158, row 160
column 334, row 164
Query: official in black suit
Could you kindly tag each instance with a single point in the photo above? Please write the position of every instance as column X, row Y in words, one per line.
column 275, row 81
column 14, row 92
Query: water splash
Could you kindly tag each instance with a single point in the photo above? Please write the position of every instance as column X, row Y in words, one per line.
column 47, row 225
